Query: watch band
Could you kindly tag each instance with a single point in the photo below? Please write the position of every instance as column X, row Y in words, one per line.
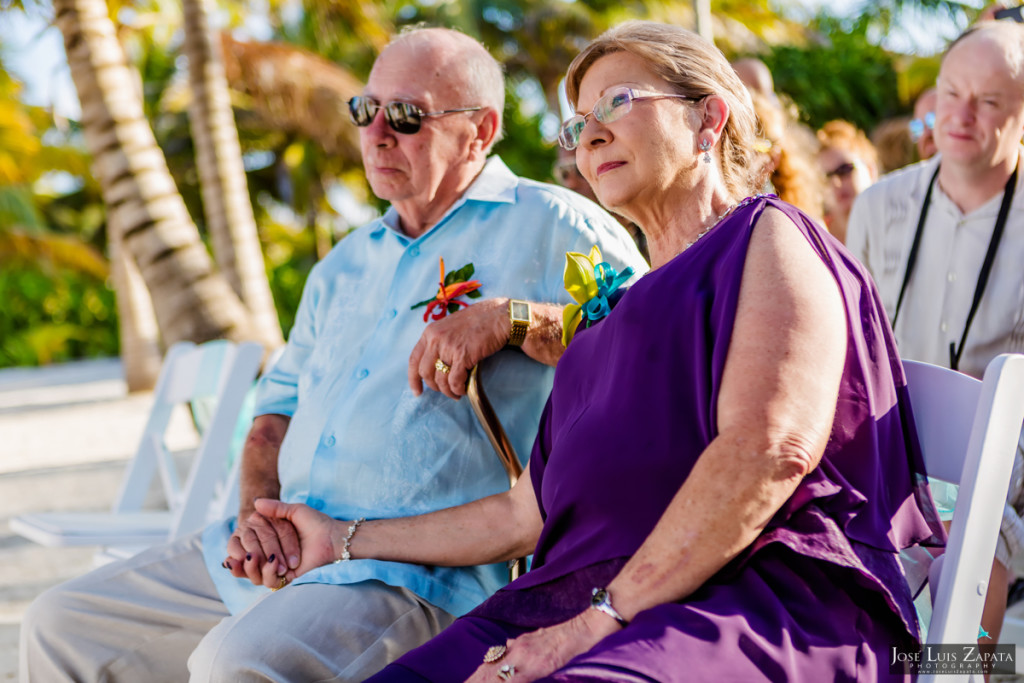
column 519, row 315
column 601, row 600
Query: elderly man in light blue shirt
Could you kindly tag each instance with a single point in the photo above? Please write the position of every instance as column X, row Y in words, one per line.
column 344, row 424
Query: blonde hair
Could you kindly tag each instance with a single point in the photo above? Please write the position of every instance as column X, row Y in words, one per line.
column 693, row 67
column 789, row 165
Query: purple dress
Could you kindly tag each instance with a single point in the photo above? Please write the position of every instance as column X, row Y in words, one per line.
column 820, row 595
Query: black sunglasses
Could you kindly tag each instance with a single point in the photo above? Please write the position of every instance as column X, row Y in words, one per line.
column 403, row 117
column 842, row 170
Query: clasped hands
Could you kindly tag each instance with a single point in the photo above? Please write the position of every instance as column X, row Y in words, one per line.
column 279, row 542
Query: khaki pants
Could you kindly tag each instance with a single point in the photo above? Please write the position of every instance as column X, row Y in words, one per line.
column 157, row 617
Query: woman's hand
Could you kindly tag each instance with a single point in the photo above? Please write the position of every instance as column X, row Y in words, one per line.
column 316, row 544
column 542, row 652
column 262, row 549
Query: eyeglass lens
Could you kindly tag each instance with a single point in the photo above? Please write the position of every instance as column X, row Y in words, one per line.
column 608, row 109
column 918, row 126
column 401, row 116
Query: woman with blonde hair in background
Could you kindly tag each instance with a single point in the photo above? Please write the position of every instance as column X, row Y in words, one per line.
column 787, row 150
column 850, row 164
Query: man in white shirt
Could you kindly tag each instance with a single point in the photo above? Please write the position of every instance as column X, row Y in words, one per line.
column 944, row 239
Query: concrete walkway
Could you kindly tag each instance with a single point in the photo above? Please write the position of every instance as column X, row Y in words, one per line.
column 66, row 433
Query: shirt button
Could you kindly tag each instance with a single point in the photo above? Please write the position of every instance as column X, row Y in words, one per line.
column 364, row 373
column 330, row 441
column 392, row 313
column 943, row 327
column 414, row 250
column 951, row 277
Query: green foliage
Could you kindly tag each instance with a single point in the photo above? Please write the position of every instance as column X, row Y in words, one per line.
column 54, row 315
column 523, row 148
column 289, row 255
column 843, row 77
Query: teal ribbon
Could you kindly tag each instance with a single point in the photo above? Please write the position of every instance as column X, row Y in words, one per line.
column 608, row 281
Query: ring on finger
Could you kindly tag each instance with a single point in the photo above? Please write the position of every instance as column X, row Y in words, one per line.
column 284, row 582
column 494, row 653
column 441, row 366
column 506, row 672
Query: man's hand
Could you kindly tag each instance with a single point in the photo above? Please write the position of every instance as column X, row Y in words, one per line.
column 460, row 340
column 263, row 550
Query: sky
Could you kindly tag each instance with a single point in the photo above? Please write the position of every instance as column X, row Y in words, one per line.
column 35, row 52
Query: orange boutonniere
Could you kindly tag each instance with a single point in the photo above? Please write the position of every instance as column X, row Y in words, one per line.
column 451, row 286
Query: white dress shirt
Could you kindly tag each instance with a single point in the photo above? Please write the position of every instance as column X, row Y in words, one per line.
column 941, row 288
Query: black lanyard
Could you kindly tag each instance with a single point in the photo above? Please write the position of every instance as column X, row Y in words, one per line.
column 986, row 267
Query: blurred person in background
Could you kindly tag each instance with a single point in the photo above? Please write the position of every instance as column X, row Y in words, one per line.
column 922, row 126
column 786, row 149
column 893, row 143
column 756, row 76
column 944, row 241
column 850, row 164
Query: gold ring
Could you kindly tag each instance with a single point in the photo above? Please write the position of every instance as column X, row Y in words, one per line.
column 441, row 366
column 494, row 653
column 284, row 582
column 506, row 672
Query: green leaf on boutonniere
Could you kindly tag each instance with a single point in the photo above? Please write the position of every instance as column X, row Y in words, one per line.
column 460, row 275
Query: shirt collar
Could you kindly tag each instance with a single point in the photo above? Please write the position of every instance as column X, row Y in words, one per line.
column 495, row 183
column 989, row 207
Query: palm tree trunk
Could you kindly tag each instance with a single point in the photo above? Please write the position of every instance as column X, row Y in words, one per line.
column 139, row 335
column 229, row 216
column 191, row 301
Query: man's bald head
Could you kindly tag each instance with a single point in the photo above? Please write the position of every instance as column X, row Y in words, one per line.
column 1005, row 36
column 457, row 61
column 756, row 75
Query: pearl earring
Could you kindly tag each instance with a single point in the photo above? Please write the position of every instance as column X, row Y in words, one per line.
column 705, row 145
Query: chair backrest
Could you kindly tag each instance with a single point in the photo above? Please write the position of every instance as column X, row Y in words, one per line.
column 218, row 371
column 968, row 432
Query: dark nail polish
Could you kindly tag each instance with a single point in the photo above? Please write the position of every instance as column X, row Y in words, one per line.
column 248, row 557
column 271, row 558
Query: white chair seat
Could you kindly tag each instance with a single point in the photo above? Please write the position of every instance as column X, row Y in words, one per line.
column 143, row 528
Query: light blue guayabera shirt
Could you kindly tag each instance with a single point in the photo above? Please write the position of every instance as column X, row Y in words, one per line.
column 360, row 444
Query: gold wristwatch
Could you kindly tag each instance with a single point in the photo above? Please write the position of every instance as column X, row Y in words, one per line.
column 519, row 316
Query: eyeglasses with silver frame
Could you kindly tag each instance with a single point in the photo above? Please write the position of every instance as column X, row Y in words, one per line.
column 609, row 108
column 403, row 117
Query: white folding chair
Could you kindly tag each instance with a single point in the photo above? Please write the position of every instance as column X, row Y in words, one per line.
column 219, row 369
column 968, row 431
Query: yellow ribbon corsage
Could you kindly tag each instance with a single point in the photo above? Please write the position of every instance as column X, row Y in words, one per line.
column 591, row 282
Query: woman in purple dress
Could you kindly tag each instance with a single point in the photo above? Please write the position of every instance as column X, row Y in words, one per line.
column 726, row 470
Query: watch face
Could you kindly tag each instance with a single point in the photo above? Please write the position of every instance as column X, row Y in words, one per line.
column 520, row 310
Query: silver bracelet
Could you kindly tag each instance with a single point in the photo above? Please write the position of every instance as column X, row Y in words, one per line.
column 345, row 554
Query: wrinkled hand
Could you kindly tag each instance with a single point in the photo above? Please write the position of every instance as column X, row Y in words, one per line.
column 314, row 532
column 263, row 550
column 542, row 652
column 461, row 340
